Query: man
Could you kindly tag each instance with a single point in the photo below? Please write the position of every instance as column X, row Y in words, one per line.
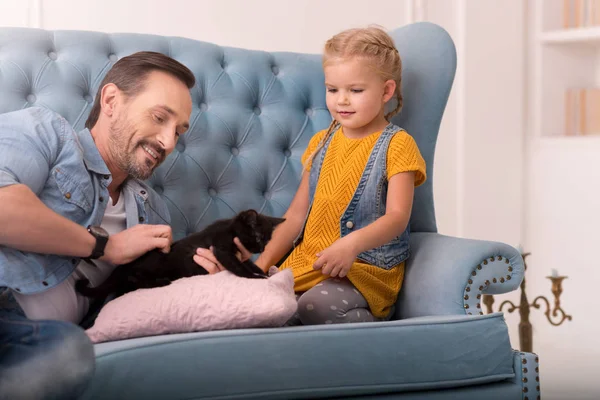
column 66, row 197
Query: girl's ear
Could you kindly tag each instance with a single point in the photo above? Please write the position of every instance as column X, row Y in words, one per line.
column 388, row 90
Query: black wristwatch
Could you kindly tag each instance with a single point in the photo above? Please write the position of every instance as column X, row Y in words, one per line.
column 101, row 239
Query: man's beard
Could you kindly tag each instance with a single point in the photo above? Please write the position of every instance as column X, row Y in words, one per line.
column 124, row 152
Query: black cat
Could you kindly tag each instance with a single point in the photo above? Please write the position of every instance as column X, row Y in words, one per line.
column 155, row 268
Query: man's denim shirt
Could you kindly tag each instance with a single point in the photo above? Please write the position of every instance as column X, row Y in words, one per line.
column 368, row 202
column 64, row 169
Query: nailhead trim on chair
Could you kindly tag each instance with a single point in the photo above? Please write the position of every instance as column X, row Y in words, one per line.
column 527, row 373
column 490, row 269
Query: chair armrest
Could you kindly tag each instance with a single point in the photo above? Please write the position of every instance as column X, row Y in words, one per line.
column 527, row 373
column 447, row 275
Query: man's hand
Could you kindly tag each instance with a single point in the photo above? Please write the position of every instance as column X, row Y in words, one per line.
column 131, row 243
column 207, row 260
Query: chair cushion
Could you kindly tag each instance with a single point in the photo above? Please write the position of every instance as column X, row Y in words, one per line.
column 307, row 361
column 196, row 304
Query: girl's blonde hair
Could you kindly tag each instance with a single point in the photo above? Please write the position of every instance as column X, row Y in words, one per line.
column 374, row 45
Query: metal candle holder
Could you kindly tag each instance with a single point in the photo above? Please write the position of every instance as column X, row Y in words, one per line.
column 525, row 331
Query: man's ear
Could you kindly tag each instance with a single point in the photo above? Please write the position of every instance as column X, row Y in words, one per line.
column 108, row 98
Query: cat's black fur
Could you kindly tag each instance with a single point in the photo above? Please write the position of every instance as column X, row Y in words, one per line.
column 155, row 268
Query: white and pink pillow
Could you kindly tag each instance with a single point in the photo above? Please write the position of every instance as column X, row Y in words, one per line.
column 199, row 303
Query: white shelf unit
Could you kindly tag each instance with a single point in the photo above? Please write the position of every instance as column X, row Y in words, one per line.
column 589, row 35
column 564, row 58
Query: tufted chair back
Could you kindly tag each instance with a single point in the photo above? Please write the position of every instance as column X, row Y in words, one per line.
column 254, row 112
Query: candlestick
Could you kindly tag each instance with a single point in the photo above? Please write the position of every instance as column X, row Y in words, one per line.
column 525, row 328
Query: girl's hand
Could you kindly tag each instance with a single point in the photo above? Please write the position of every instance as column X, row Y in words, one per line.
column 337, row 259
column 207, row 260
column 244, row 254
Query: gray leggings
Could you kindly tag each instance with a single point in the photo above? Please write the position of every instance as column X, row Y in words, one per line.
column 333, row 301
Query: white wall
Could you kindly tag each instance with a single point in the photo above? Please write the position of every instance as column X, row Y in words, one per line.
column 264, row 24
column 561, row 220
column 15, row 13
column 488, row 116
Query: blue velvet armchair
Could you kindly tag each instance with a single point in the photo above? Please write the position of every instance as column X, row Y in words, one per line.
column 254, row 113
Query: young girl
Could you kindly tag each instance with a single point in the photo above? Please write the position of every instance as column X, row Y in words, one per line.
column 349, row 219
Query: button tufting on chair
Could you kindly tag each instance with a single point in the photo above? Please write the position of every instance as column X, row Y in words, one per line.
column 310, row 112
column 212, row 192
column 229, row 112
column 52, row 55
column 267, row 195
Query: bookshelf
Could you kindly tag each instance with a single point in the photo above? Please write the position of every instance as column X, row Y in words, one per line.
column 566, row 70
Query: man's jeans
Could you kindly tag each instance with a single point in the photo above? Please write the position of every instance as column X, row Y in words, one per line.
column 41, row 359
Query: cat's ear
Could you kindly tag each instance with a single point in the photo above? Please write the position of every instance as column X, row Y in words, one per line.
column 276, row 221
column 249, row 217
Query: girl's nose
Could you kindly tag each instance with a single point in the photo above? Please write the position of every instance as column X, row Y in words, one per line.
column 343, row 99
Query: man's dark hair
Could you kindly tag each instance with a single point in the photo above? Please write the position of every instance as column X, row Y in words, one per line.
column 129, row 75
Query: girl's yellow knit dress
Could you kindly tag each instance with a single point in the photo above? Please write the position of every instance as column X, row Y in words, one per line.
column 342, row 168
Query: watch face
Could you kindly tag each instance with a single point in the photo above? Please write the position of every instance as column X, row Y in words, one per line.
column 98, row 231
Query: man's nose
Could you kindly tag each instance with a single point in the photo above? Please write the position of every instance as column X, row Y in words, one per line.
column 166, row 139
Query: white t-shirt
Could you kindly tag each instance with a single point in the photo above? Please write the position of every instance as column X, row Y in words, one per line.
column 62, row 302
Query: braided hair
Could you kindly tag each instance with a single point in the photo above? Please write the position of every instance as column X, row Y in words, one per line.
column 374, row 45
